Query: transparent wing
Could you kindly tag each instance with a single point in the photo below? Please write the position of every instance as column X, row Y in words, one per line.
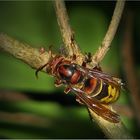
column 106, row 77
column 101, row 75
column 97, row 107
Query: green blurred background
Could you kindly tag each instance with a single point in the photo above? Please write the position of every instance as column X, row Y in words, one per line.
column 34, row 108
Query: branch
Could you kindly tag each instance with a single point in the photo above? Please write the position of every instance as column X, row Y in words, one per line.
column 66, row 31
column 31, row 56
column 111, row 130
column 24, row 118
column 16, row 96
column 129, row 66
column 99, row 55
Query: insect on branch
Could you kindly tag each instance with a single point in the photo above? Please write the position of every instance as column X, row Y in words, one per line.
column 35, row 59
column 67, row 33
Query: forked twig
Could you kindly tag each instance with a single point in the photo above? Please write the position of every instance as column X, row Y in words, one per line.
column 101, row 52
column 35, row 59
column 66, row 31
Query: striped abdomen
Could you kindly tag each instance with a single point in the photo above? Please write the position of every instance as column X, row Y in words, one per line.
column 101, row 90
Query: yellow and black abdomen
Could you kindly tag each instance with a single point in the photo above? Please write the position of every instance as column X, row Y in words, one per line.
column 108, row 94
column 101, row 90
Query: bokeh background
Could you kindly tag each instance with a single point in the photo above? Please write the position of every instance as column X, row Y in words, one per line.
column 35, row 108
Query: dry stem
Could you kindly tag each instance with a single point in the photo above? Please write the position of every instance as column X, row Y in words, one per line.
column 31, row 56
column 24, row 118
column 111, row 130
column 99, row 55
column 66, row 31
column 129, row 66
column 16, row 96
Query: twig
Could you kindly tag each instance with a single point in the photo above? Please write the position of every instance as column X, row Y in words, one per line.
column 99, row 55
column 129, row 66
column 111, row 130
column 16, row 96
column 31, row 56
column 24, row 118
column 66, row 31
